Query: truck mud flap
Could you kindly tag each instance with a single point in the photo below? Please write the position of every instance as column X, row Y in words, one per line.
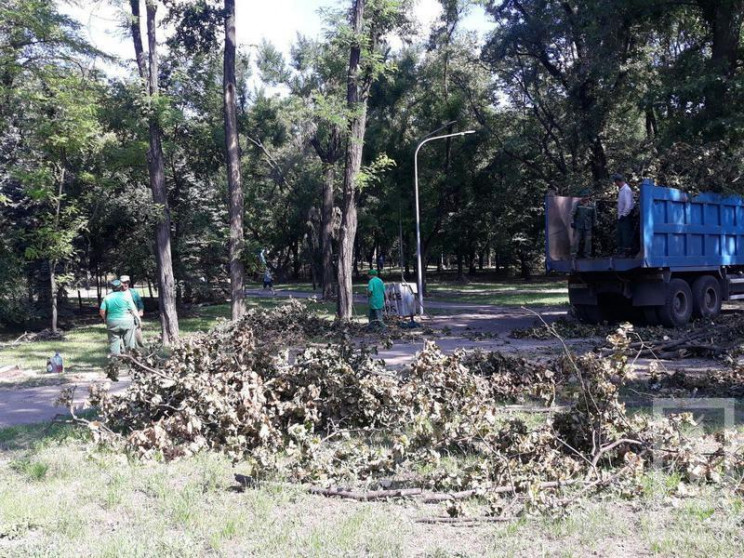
column 648, row 293
column 581, row 293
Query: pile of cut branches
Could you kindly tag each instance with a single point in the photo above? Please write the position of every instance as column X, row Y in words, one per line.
column 567, row 329
column 333, row 414
column 705, row 337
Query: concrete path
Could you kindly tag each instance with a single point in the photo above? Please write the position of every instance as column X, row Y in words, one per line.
column 37, row 404
column 465, row 323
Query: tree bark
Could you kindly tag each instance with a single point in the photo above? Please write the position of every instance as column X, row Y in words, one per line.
column 326, row 235
column 166, row 283
column 235, row 187
column 53, row 287
column 329, row 153
column 357, row 104
column 53, row 261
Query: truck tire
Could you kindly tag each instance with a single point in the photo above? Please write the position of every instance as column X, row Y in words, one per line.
column 589, row 314
column 706, row 297
column 677, row 309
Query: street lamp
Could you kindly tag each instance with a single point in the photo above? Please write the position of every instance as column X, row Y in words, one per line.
column 426, row 139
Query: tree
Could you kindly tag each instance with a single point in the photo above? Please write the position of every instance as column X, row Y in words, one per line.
column 235, row 186
column 363, row 37
column 568, row 63
column 64, row 129
column 48, row 131
column 150, row 76
column 316, row 79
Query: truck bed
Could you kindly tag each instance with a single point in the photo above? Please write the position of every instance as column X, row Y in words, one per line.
column 677, row 232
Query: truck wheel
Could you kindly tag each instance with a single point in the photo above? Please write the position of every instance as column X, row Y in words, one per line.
column 589, row 314
column 706, row 297
column 677, row 309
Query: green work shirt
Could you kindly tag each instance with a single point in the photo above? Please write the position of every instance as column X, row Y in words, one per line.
column 376, row 292
column 585, row 216
column 118, row 305
column 137, row 299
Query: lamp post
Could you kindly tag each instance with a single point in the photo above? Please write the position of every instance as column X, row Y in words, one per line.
column 426, row 139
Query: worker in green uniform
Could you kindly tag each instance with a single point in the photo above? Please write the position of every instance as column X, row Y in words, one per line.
column 137, row 300
column 376, row 296
column 120, row 315
column 583, row 220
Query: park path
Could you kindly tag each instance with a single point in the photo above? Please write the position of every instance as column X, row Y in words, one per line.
column 31, row 405
column 469, row 326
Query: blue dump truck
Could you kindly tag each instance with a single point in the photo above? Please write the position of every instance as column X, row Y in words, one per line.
column 690, row 258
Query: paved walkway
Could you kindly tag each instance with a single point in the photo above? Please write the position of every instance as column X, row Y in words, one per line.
column 37, row 404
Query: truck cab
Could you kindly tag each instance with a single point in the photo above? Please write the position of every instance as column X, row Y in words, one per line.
column 689, row 259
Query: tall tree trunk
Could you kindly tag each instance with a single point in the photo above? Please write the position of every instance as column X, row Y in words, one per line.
column 235, row 187
column 326, row 235
column 53, row 261
column 53, row 288
column 357, row 104
column 166, row 283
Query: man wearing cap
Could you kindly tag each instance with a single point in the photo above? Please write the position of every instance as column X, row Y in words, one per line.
column 583, row 220
column 376, row 296
column 625, row 206
column 120, row 315
column 137, row 300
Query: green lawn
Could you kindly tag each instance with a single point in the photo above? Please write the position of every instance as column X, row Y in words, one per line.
column 81, row 501
column 538, row 292
column 513, row 292
column 84, row 348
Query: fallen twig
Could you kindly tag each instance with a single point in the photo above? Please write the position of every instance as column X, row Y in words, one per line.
column 610, row 447
column 366, row 496
column 143, row 366
column 531, row 409
column 466, row 520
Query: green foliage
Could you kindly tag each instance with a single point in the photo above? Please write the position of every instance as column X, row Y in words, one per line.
column 561, row 94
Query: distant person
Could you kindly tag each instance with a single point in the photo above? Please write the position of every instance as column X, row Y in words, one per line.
column 268, row 280
column 137, row 300
column 583, row 221
column 376, row 296
column 120, row 315
column 625, row 205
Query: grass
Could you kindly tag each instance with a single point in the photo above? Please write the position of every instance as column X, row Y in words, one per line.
column 539, row 292
column 83, row 501
column 83, row 348
column 512, row 292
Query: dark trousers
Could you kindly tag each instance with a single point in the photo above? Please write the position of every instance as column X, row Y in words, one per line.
column 375, row 319
column 581, row 244
column 624, row 234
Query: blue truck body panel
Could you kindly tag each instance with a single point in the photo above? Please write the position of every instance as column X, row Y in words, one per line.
column 677, row 232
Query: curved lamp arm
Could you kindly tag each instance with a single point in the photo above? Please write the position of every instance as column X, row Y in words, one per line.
column 426, row 140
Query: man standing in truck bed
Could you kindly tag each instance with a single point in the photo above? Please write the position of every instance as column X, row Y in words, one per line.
column 625, row 206
column 583, row 220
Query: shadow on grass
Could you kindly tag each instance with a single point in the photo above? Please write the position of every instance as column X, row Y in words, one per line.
column 36, row 436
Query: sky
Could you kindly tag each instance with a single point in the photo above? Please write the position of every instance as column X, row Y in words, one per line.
column 278, row 21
